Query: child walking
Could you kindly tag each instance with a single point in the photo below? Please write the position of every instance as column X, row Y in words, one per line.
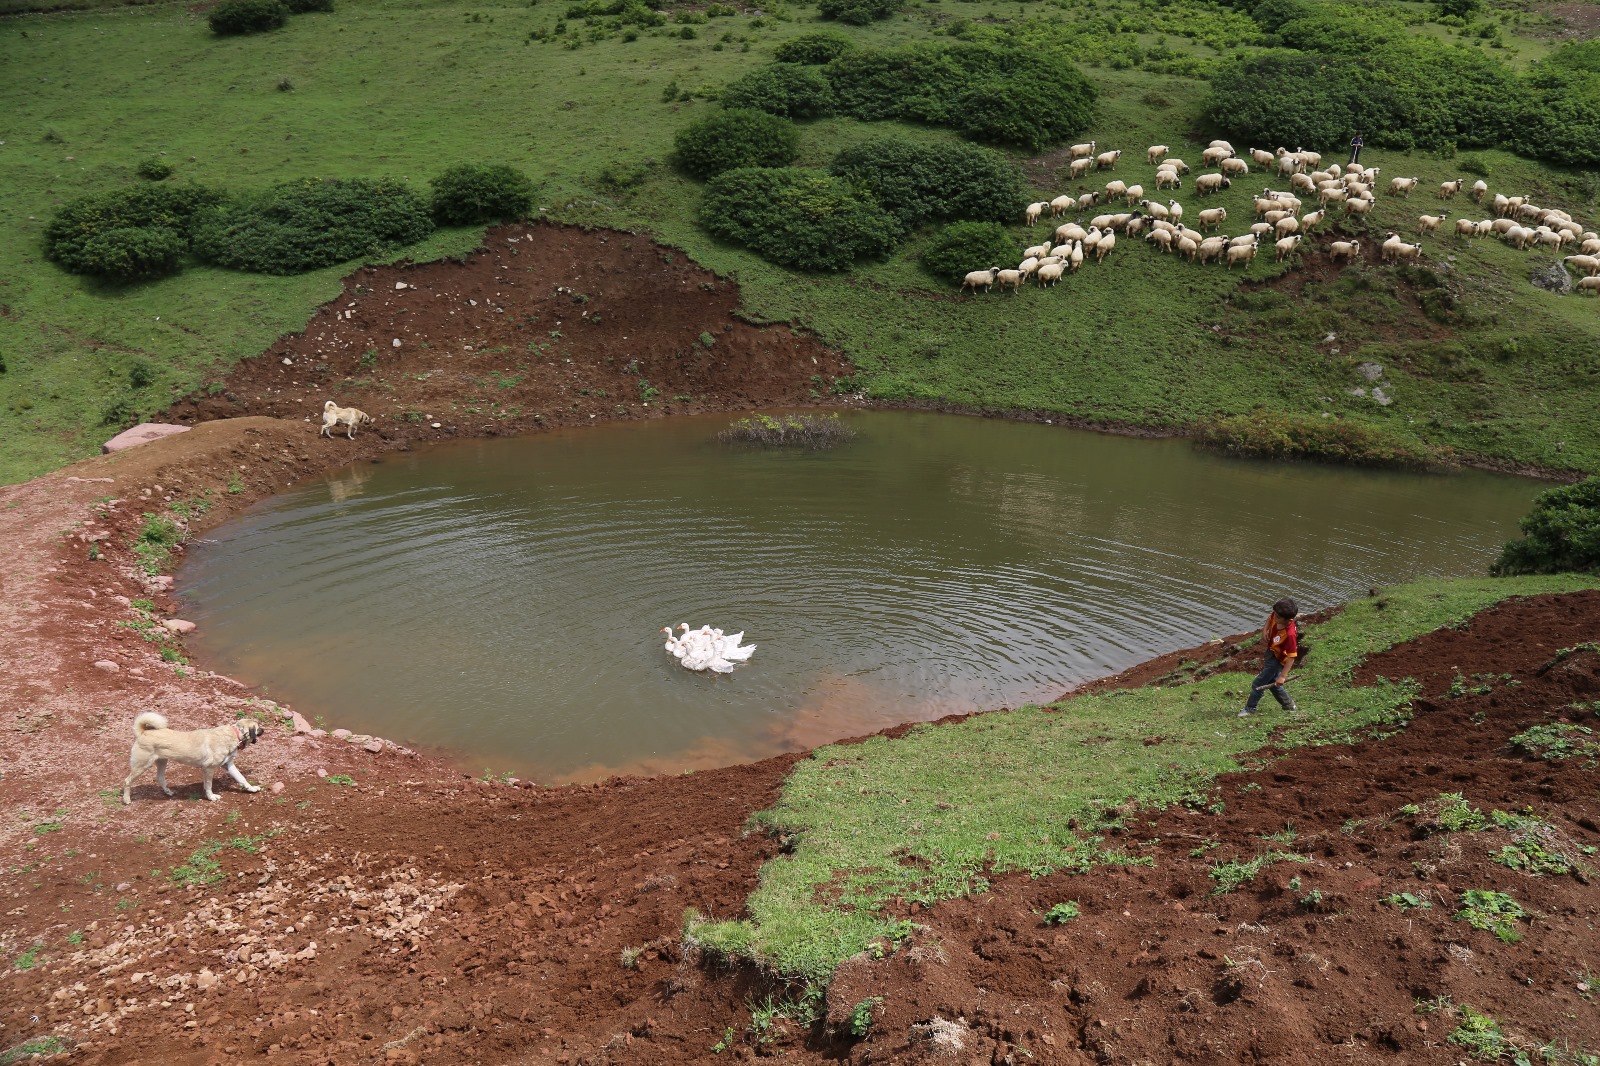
column 1283, row 647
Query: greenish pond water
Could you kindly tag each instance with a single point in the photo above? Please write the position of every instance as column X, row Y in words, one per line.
column 502, row 599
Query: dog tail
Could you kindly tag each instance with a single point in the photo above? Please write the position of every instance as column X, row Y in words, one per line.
column 147, row 721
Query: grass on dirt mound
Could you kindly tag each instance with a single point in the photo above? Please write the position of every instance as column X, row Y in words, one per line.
column 933, row 815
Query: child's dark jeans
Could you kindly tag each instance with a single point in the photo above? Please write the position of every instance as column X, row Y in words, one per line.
column 1269, row 674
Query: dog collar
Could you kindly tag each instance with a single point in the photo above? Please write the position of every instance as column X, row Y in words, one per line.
column 239, row 733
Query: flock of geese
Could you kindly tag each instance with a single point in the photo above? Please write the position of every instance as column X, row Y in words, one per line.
column 707, row 648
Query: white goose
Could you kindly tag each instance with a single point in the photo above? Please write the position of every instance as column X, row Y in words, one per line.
column 708, row 649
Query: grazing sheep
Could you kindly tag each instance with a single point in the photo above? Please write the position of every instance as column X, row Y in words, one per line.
column 1430, row 223
column 1075, row 260
column 1103, row 249
column 1272, row 218
column 1465, row 227
column 1285, row 226
column 1529, row 212
column 1116, row 190
column 1070, row 231
column 1212, row 217
column 1061, row 205
column 1177, row 164
column 1081, row 151
column 1038, row 251
column 1212, row 156
column 1050, row 273
column 1344, row 251
column 1234, row 167
column 1546, row 235
column 1591, row 246
column 1102, row 222
column 1480, row 189
column 1286, row 247
column 1175, row 210
column 1079, row 167
column 1483, row 228
column 1502, row 205
column 1187, row 247
column 1088, row 200
column 1028, row 266
column 1107, row 160
column 1589, row 264
column 1220, row 144
column 1448, row 190
column 1154, row 210
column 1135, row 225
column 1261, row 229
column 1309, row 159
column 1156, row 153
column 986, row 278
column 1134, row 194
column 1335, row 170
column 1031, row 215
column 1011, row 279
column 1243, row 240
column 1061, row 250
column 1358, row 208
column 1241, row 253
column 1302, row 182
column 1168, row 179
column 1161, row 238
column 1402, row 186
column 1502, row 226
column 1589, row 284
column 1311, row 220
column 1263, row 158
column 1089, row 242
column 1212, row 248
column 1332, row 196
column 1520, row 237
column 1206, row 184
column 1263, row 204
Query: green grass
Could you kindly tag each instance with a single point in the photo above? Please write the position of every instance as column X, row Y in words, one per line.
column 937, row 813
column 91, row 95
column 44, row 1046
column 203, row 867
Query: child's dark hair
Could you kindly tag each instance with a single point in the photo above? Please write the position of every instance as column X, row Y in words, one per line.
column 1285, row 608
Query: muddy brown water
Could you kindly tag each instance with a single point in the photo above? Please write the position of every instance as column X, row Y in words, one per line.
column 502, row 599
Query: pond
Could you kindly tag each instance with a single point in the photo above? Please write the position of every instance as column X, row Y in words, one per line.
column 502, row 599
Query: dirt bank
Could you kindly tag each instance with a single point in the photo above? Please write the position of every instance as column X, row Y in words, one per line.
column 380, row 907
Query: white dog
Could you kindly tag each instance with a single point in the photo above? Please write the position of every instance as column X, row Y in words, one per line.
column 349, row 417
column 208, row 749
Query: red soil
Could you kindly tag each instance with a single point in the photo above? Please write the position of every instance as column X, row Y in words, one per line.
column 458, row 921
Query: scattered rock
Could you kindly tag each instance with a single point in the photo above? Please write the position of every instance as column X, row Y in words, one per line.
column 375, row 746
column 277, row 787
column 107, row 665
column 146, row 432
column 341, row 734
column 1384, row 399
column 300, row 724
column 1553, row 278
column 178, row 626
column 1370, row 371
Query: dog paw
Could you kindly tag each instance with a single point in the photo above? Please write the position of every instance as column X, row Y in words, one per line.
column 252, row 788
column 213, row 799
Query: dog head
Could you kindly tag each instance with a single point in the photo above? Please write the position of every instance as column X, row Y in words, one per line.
column 250, row 731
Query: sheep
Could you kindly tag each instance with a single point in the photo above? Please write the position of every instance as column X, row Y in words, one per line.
column 1107, row 160
column 1187, row 247
column 986, row 278
column 1102, row 222
column 1589, row 284
column 1310, row 159
column 1061, row 205
column 1357, row 208
column 1156, row 153
column 1135, row 225
column 1168, row 179
column 1028, row 266
column 1089, row 242
column 1175, row 210
column 1262, row 158
column 1031, row 215
column 1332, row 196
column 1589, row 264
column 1069, row 231
column 1514, row 204
column 1120, row 220
column 1391, row 241
column 1285, row 226
column 1075, row 260
column 1103, row 249
column 1448, row 190
column 1287, row 165
column 1038, row 251
column 1289, row 201
column 1317, row 177
column 1591, row 246
column 1261, row 229
column 1263, row 204
column 1212, row 248
column 1360, row 190
column 1483, row 228
column 1430, row 223
column 1161, row 238
column 1546, row 235
column 1502, row 205
column 1402, row 187
column 1241, row 253
column 1480, row 189
column 1088, row 200
column 1272, row 218
column 1134, row 194
column 1344, row 250
column 1407, row 251
column 1335, row 170
column 1081, row 151
column 1116, row 190
column 1244, row 240
column 1311, row 220
column 1302, row 182
column 1286, row 247
column 1212, row 217
column 1011, row 279
column 1060, row 250
column 1520, row 237
column 1177, row 164
column 1212, row 156
column 1078, row 168
column 1234, row 167
column 1221, row 144
column 1206, row 184
column 1502, row 226
column 1528, row 212
column 1465, row 227
column 1050, row 273
column 1155, row 210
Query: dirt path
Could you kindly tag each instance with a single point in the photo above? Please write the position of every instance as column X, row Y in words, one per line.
column 375, row 905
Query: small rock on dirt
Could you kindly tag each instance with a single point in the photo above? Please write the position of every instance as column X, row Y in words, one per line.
column 178, row 626
column 107, row 665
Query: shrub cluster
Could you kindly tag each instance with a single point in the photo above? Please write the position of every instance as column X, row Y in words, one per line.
column 727, row 140
column 920, row 183
column 248, row 16
column 796, row 217
column 1266, row 435
column 154, row 169
column 858, row 12
column 139, row 232
column 1560, row 534
column 965, row 246
column 303, row 225
column 813, row 48
column 812, row 432
column 787, row 89
column 469, row 193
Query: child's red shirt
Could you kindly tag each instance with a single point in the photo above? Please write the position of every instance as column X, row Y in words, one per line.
column 1283, row 640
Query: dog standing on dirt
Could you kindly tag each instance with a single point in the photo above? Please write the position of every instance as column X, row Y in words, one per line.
column 349, row 417
column 208, row 749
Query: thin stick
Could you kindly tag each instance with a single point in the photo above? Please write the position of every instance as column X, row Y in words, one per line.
column 1275, row 684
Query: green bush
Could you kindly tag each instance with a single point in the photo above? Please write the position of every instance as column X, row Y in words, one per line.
column 805, row 219
column 727, row 140
column 134, row 253
column 1560, row 115
column 316, row 222
column 154, row 169
column 787, row 89
column 921, row 183
column 1267, row 435
column 1032, row 110
column 966, row 246
column 858, row 12
column 813, row 48
column 72, row 237
column 469, row 193
column 1561, row 533
column 248, row 16
column 302, row 7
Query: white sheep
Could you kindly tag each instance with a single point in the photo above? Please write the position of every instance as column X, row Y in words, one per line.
column 1134, row 194
column 1502, row 226
column 1062, row 250
column 1075, row 260
column 1079, row 167
column 1285, row 226
column 1206, row 184
column 1357, row 208
column 1050, row 273
column 1234, row 167
column 1261, row 229
column 1591, row 246
column 1465, row 227
column 1273, row 217
column 1175, row 210
column 1088, row 243
column 1347, row 251
column 1161, row 238
column 1070, row 231
column 1187, row 247
column 1061, row 205
column 1168, row 179
column 1212, row 248
column 986, row 278
column 1529, row 212
column 1480, row 189
column 1176, row 164
column 1102, row 222
column 1589, row 284
column 1333, row 196
column 1135, row 225
column 1483, row 227
column 1303, row 182
column 1028, row 266
column 1156, row 153
column 1116, row 190
column 1088, row 200
column 1212, row 217
column 1103, row 249
column 1107, row 160
column 1212, row 156
column 1262, row 157
column 1430, row 223
column 1402, row 186
column 1589, row 264
column 1081, row 151
column 1502, row 205
column 1011, row 279
column 1154, row 210
column 1031, row 215
column 1311, row 220
column 1554, row 238
column 1241, row 253
column 1520, row 237
column 1220, row 144
column 1448, row 190
column 1286, row 247
column 1243, row 240
column 1038, row 251
column 1395, row 248
column 1310, row 159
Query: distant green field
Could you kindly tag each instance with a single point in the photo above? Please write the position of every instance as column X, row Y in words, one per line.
column 407, row 87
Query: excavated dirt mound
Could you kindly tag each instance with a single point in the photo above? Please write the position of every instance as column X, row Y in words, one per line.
column 375, row 905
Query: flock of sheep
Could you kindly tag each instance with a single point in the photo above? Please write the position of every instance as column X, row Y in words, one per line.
column 1280, row 218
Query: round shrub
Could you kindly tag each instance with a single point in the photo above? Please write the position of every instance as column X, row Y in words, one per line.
column 71, row 238
column 966, row 246
column 813, row 48
column 303, row 225
column 303, row 7
column 1560, row 534
column 800, row 218
column 469, row 193
column 132, row 253
column 786, row 89
column 1033, row 109
column 920, row 183
column 858, row 12
column 248, row 16
column 735, row 138
column 154, row 169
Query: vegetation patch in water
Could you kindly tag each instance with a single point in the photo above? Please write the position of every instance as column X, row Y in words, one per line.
column 1266, row 435
column 814, row 432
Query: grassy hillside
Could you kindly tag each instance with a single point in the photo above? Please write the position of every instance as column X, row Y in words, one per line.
column 405, row 88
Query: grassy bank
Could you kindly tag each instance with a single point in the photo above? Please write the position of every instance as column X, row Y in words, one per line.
column 394, row 87
column 932, row 815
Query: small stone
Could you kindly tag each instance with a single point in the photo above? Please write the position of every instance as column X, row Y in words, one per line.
column 396, row 342
column 1370, row 371
column 107, row 665
column 341, row 734
column 375, row 746
column 401, row 285
column 287, row 361
column 300, row 724
column 437, row 425
column 178, row 626
column 124, row 886
column 277, row 787
column 321, row 772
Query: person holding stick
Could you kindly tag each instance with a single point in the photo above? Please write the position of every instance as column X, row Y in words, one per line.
column 1283, row 647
